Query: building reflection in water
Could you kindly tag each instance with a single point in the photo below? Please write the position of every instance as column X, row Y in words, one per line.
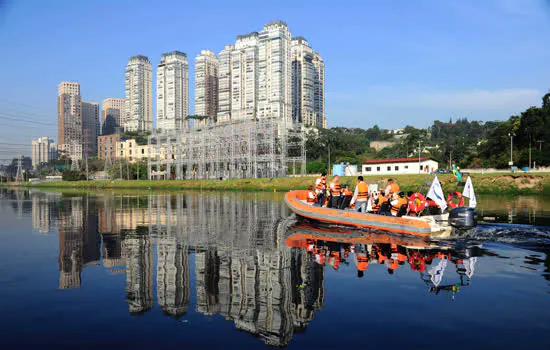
column 79, row 242
column 138, row 253
column 250, row 268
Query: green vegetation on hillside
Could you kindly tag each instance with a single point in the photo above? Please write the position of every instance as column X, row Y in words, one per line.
column 469, row 144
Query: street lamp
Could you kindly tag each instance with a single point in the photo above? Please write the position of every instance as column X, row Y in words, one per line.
column 511, row 148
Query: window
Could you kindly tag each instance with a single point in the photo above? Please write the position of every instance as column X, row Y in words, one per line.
column 389, row 168
column 406, row 167
column 377, row 168
column 396, row 168
column 421, row 167
column 368, row 168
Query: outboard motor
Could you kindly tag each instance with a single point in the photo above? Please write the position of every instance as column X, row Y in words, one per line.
column 463, row 218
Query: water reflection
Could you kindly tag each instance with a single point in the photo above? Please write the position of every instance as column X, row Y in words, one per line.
column 261, row 272
column 432, row 262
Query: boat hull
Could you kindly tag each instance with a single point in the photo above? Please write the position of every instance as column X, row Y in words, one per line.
column 405, row 225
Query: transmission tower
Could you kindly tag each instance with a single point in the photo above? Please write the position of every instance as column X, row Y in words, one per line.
column 19, row 176
column 75, row 164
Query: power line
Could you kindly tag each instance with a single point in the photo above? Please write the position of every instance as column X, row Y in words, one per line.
column 25, row 112
column 24, row 120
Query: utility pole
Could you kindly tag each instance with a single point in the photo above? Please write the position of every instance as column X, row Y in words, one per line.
column 86, row 147
column 511, row 148
column 19, row 175
column 530, row 151
column 328, row 172
column 419, row 156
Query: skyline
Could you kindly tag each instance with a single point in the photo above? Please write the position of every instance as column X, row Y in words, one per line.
column 435, row 61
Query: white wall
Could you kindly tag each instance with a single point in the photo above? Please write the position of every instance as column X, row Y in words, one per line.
column 411, row 167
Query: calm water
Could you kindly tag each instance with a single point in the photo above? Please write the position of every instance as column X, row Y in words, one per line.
column 232, row 271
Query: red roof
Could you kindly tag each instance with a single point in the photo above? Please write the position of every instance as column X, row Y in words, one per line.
column 395, row 160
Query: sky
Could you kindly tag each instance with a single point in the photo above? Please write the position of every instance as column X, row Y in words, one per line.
column 390, row 63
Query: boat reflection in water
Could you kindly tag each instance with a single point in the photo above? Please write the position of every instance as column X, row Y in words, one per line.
column 261, row 272
column 335, row 246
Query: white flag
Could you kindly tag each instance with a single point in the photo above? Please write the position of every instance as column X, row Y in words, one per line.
column 469, row 193
column 436, row 194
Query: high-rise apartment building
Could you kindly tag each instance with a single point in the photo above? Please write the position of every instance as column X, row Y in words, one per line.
column 90, row 128
column 255, row 76
column 308, row 84
column 113, row 107
column 244, row 77
column 69, row 120
column 206, row 84
column 274, row 73
column 172, row 91
column 224, row 83
column 319, row 91
column 138, row 114
column 44, row 150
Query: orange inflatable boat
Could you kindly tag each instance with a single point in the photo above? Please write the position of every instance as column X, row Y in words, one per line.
column 425, row 226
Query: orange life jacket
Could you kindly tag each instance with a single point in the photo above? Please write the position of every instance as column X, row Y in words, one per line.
column 320, row 184
column 362, row 191
column 376, row 205
column 400, row 202
column 335, row 188
column 311, row 197
column 348, row 193
column 394, row 188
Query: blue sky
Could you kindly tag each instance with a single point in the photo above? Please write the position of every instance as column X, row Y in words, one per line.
column 389, row 63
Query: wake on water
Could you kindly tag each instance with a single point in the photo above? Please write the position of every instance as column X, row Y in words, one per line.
column 523, row 235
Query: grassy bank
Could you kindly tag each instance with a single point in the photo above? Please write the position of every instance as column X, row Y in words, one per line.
column 502, row 183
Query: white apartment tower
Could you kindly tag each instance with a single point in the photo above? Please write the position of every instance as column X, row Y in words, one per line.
column 308, row 84
column 172, row 91
column 244, row 82
column 138, row 114
column 90, row 128
column 44, row 150
column 206, row 84
column 69, row 120
column 224, row 84
column 255, row 76
column 274, row 73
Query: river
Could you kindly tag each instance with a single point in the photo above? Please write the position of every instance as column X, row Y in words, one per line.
column 232, row 270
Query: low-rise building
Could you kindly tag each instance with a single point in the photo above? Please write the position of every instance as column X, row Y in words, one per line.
column 130, row 150
column 107, row 146
column 398, row 166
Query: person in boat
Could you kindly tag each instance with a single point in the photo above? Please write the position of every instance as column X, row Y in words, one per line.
column 360, row 195
column 398, row 200
column 433, row 207
column 311, row 196
column 346, row 197
column 335, row 189
column 377, row 200
column 320, row 187
column 392, row 188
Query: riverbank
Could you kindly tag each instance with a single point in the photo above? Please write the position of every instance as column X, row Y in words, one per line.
column 503, row 183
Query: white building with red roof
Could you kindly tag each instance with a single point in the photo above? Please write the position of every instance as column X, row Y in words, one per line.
column 398, row 166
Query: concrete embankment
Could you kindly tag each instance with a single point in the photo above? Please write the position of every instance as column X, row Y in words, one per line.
column 501, row 183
